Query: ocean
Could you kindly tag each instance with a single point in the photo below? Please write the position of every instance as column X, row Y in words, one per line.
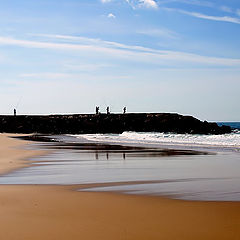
column 233, row 125
column 181, row 166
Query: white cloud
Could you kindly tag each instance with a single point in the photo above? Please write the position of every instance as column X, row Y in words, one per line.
column 83, row 67
column 190, row 2
column 106, row 1
column 142, row 3
column 56, row 76
column 208, row 17
column 226, row 9
column 238, row 12
column 148, row 3
column 118, row 50
column 46, row 75
column 131, row 3
column 111, row 15
column 162, row 33
column 214, row 18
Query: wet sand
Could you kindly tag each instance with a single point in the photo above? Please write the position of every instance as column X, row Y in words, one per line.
column 58, row 212
column 12, row 153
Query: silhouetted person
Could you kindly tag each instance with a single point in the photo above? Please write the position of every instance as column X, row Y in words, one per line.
column 15, row 112
column 108, row 110
column 124, row 110
column 97, row 110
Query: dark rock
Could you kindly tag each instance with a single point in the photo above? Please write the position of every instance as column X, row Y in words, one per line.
column 109, row 123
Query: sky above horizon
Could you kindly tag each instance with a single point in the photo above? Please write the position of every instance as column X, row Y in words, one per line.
column 67, row 56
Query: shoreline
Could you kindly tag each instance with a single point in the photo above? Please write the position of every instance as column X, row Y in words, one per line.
column 59, row 212
column 168, row 146
column 13, row 154
column 98, row 167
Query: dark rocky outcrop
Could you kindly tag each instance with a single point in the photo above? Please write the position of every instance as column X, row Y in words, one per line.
column 108, row 123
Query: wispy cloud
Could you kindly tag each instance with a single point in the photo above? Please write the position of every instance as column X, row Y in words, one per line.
column 238, row 12
column 47, row 75
column 214, row 18
column 83, row 67
column 208, row 4
column 118, row 50
column 160, row 32
column 106, row 1
column 226, row 9
column 154, row 4
column 56, row 76
column 207, row 17
column 189, row 2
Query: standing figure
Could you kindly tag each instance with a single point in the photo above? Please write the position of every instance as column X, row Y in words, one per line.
column 15, row 112
column 108, row 110
column 124, row 110
column 97, row 110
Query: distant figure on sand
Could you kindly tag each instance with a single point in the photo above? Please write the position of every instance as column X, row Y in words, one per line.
column 124, row 110
column 108, row 110
column 97, row 110
column 15, row 112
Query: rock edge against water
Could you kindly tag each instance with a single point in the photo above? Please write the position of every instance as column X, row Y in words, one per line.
column 108, row 123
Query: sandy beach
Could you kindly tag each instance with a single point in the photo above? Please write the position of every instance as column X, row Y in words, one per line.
column 12, row 153
column 59, row 212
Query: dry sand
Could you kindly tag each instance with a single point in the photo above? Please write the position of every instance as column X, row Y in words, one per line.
column 57, row 212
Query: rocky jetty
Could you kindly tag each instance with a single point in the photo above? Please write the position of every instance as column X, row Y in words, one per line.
column 108, row 123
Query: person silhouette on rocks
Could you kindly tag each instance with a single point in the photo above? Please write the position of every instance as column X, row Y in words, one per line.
column 108, row 110
column 97, row 110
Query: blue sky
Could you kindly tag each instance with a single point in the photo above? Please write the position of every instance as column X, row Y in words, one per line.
column 67, row 56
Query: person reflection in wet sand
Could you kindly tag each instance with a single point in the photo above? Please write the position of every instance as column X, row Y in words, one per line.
column 96, row 155
column 107, row 155
column 124, row 156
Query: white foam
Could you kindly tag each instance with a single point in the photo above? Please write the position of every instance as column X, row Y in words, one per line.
column 226, row 140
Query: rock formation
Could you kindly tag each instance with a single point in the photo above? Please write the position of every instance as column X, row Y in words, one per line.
column 108, row 123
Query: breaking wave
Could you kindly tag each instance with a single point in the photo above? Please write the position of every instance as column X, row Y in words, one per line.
column 226, row 140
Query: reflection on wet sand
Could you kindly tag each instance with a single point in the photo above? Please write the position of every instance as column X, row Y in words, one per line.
column 177, row 173
column 109, row 156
